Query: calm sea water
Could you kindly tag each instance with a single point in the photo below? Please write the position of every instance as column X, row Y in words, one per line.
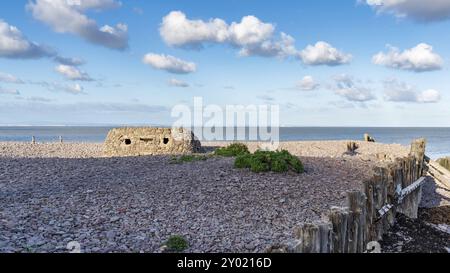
column 438, row 138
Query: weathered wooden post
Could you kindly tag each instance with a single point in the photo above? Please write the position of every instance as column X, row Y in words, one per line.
column 368, row 138
column 60, row 139
column 418, row 151
column 33, row 140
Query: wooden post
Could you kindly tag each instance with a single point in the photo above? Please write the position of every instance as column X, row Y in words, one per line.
column 60, row 139
column 418, row 151
column 339, row 219
column 368, row 138
column 314, row 238
column 33, row 140
column 356, row 202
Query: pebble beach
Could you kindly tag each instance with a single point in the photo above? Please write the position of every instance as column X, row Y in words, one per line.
column 53, row 194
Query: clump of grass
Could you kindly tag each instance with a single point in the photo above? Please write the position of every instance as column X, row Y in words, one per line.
column 232, row 150
column 176, row 243
column 444, row 162
column 187, row 158
column 264, row 161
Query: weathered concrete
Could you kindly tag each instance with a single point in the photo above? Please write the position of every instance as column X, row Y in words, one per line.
column 150, row 141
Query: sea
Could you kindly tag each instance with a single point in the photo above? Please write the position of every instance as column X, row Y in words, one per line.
column 438, row 139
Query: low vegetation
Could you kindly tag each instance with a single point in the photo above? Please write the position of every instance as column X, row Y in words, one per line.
column 265, row 161
column 187, row 158
column 176, row 243
column 232, row 150
column 445, row 162
column 260, row 161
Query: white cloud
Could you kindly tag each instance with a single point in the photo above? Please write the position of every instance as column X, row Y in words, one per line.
column 250, row 31
column 429, row 96
column 347, row 87
column 169, row 63
column 282, row 48
column 74, row 89
column 177, row 30
column 178, row 83
column 65, row 16
column 14, row 45
column 8, row 78
column 419, row 58
column 7, row 91
column 307, row 84
column 250, row 35
column 73, row 73
column 323, row 53
column 69, row 61
column 397, row 91
column 419, row 10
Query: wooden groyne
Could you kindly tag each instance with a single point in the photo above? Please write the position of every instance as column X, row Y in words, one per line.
column 439, row 173
column 395, row 188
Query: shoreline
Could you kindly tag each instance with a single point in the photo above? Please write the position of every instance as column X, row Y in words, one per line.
column 333, row 148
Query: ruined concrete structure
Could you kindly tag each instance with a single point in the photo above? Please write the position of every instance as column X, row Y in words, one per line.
column 150, row 141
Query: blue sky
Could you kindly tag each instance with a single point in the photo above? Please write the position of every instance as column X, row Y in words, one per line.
column 341, row 70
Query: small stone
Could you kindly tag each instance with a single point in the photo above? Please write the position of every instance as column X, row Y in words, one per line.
column 114, row 219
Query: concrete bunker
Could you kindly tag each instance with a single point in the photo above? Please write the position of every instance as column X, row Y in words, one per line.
column 150, row 141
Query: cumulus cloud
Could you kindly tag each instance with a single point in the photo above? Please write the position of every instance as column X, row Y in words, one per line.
column 420, row 58
column 177, row 30
column 346, row 86
column 8, row 78
column 14, row 45
column 250, row 35
column 418, row 10
column 323, row 53
column 178, row 83
column 69, row 17
column 397, row 91
column 282, row 48
column 169, row 63
column 307, row 84
column 72, row 73
column 7, row 91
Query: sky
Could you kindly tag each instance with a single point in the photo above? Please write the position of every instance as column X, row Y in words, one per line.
column 325, row 63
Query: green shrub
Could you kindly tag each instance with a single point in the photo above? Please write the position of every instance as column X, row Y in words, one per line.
column 231, row 150
column 177, row 243
column 445, row 162
column 187, row 158
column 264, row 161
